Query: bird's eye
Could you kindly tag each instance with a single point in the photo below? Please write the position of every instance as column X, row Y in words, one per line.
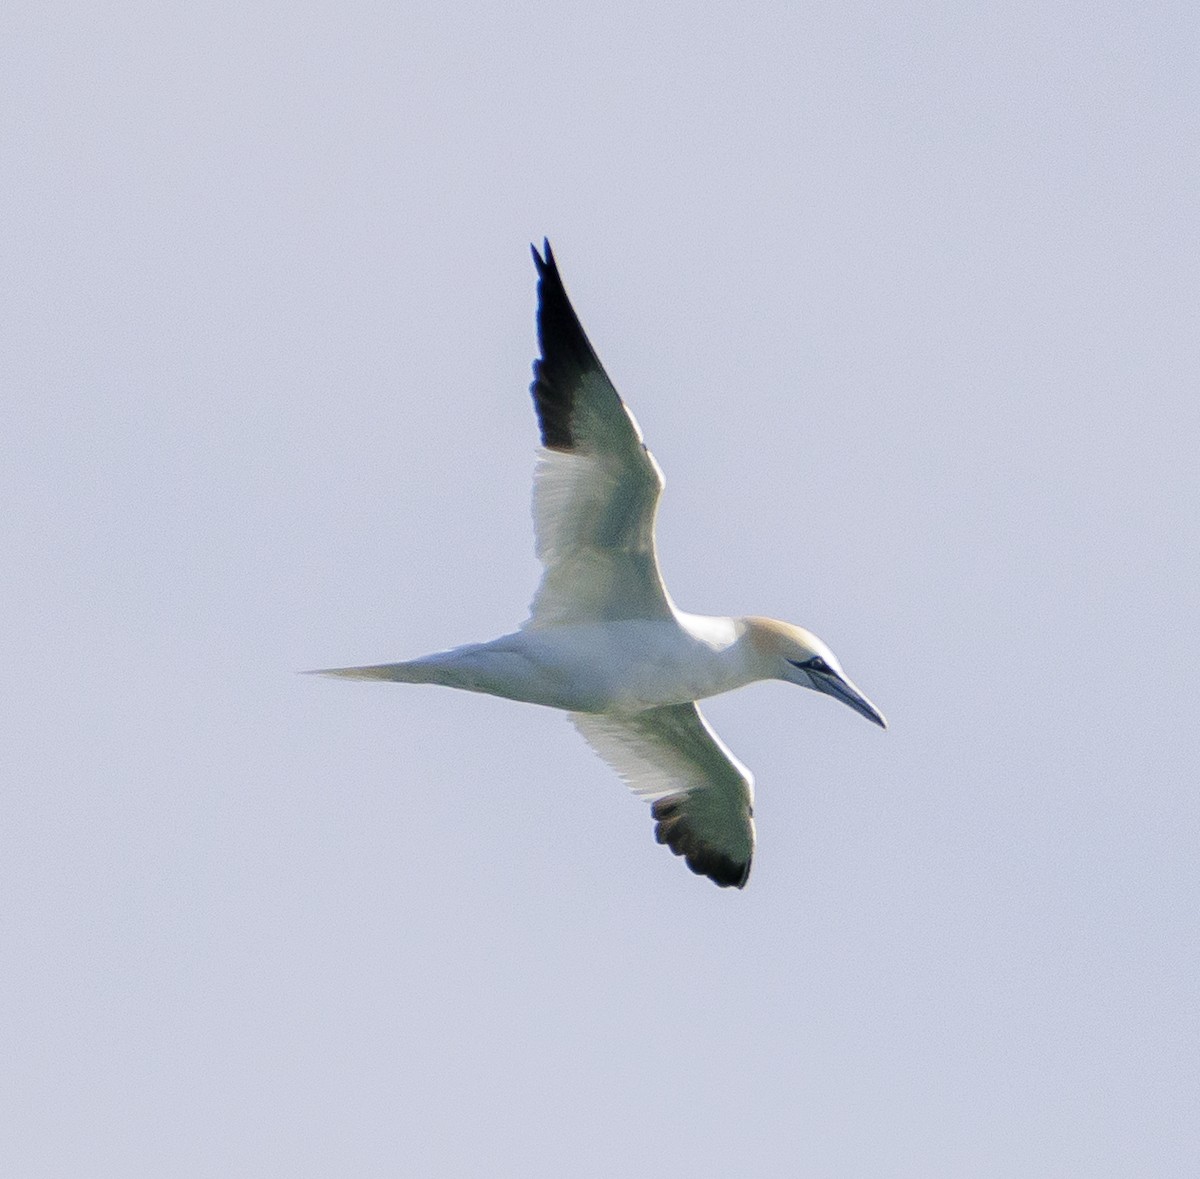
column 816, row 663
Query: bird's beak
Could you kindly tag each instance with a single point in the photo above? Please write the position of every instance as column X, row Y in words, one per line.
column 847, row 693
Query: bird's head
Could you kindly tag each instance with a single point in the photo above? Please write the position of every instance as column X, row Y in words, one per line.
column 794, row 654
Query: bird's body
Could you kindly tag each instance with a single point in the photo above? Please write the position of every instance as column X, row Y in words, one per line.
column 604, row 642
column 619, row 667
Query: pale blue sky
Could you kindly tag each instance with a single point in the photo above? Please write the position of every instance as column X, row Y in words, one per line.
column 906, row 303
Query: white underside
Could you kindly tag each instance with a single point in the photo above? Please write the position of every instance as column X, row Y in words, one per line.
column 612, row 667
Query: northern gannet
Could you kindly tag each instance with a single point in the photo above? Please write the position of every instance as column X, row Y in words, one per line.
column 604, row 641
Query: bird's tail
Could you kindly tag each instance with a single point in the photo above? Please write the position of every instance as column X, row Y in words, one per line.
column 415, row 672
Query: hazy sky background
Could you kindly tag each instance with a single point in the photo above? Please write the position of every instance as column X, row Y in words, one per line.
column 905, row 298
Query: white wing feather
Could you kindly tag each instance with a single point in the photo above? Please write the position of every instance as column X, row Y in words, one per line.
column 703, row 797
column 596, row 488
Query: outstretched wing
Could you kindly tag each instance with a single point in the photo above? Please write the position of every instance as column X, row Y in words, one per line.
column 702, row 796
column 596, row 487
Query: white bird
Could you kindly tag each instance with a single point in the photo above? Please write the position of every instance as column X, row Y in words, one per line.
column 603, row 640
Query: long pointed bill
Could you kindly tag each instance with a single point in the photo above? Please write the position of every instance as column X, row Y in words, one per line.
column 847, row 693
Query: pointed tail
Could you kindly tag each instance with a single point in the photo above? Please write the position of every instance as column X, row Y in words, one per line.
column 404, row 673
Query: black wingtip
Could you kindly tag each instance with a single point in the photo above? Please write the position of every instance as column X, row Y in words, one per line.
column 672, row 829
column 543, row 263
column 566, row 355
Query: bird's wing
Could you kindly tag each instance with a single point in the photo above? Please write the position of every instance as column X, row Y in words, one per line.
column 703, row 797
column 596, row 488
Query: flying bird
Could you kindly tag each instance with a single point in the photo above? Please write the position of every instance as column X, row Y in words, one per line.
column 603, row 640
